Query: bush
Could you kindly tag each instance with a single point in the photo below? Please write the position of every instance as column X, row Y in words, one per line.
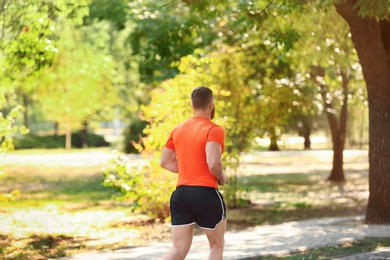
column 57, row 141
column 146, row 186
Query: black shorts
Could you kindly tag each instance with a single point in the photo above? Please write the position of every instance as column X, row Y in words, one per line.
column 194, row 204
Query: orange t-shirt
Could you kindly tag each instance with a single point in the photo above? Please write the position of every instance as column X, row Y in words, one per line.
column 189, row 140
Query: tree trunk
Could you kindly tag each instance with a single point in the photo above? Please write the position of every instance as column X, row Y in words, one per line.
column 361, row 136
column 84, row 134
column 56, row 128
column 338, row 128
column 25, row 112
column 372, row 42
column 274, row 139
column 307, row 142
column 68, row 137
column 306, row 131
column 337, row 173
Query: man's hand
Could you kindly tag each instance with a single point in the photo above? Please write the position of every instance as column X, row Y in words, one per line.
column 224, row 180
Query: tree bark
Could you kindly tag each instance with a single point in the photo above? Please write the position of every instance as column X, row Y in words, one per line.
column 306, row 129
column 56, row 128
column 68, row 137
column 372, row 42
column 274, row 139
column 84, row 134
column 307, row 142
column 337, row 173
column 25, row 113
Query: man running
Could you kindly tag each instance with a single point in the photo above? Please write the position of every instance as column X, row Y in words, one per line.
column 193, row 150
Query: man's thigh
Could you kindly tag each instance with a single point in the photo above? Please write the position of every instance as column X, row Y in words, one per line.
column 182, row 237
column 216, row 236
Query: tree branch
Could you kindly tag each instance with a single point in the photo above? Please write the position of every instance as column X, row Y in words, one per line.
column 261, row 12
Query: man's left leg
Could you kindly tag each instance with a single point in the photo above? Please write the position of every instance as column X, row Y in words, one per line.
column 216, row 239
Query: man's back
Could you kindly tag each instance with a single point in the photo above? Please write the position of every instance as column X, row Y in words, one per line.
column 189, row 141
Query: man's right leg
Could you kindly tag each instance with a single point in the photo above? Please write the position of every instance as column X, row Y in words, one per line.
column 182, row 240
column 216, row 240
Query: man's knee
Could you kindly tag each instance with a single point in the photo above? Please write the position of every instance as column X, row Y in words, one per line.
column 216, row 240
column 180, row 253
column 176, row 254
column 217, row 243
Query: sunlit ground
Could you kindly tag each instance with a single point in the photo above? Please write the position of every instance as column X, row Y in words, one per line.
column 63, row 208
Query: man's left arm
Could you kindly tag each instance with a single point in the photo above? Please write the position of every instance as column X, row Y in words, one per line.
column 214, row 162
column 169, row 160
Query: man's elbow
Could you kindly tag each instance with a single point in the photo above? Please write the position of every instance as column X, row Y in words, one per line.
column 163, row 164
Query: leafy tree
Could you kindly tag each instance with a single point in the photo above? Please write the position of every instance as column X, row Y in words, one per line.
column 307, row 109
column 333, row 66
column 230, row 75
column 78, row 85
column 148, row 187
column 28, row 42
column 115, row 11
column 370, row 30
column 126, row 66
column 369, row 27
column 27, row 37
column 160, row 39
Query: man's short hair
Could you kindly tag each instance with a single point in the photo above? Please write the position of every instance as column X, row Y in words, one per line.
column 201, row 97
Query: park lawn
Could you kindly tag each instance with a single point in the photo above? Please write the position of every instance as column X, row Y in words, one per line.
column 65, row 210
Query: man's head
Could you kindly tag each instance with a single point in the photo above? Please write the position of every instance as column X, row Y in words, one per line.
column 202, row 99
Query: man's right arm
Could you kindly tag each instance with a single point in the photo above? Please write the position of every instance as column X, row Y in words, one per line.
column 169, row 160
column 214, row 161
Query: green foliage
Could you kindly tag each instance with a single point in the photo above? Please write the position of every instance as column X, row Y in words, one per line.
column 29, row 32
column 160, row 39
column 78, row 86
column 239, row 99
column 7, row 130
column 12, row 196
column 115, row 11
column 146, row 186
column 236, row 195
column 28, row 42
column 228, row 73
column 57, row 141
column 374, row 8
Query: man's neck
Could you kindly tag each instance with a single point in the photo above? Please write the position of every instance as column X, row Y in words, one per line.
column 203, row 114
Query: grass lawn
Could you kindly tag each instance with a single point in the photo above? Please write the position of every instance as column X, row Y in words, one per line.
column 63, row 209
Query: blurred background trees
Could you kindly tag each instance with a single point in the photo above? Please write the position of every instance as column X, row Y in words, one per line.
column 124, row 70
column 104, row 58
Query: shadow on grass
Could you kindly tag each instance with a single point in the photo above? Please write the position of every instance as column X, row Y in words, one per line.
column 254, row 215
column 74, row 189
column 278, row 198
column 278, row 182
column 39, row 246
